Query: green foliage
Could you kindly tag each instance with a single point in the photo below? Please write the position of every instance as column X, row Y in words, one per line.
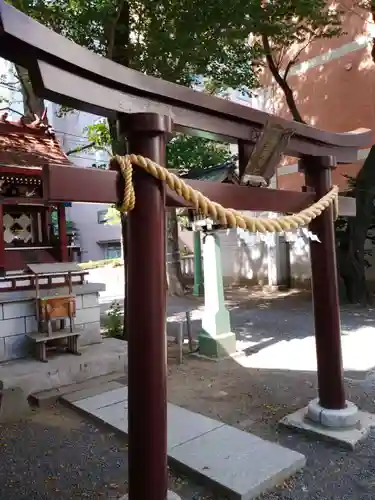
column 183, row 152
column 179, row 39
column 113, row 216
column 187, row 152
column 171, row 39
column 293, row 22
column 98, row 134
column 342, row 232
column 114, row 320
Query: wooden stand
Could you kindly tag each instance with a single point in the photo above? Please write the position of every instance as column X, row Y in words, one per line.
column 41, row 340
column 52, row 312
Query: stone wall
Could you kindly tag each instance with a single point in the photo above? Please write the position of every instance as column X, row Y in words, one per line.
column 17, row 318
column 243, row 261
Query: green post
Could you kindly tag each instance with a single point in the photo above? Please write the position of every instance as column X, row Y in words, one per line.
column 198, row 275
column 216, row 338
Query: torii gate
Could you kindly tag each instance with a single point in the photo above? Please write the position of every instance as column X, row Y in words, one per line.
column 148, row 111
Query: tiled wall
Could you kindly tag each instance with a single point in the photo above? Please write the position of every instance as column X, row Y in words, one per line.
column 18, row 318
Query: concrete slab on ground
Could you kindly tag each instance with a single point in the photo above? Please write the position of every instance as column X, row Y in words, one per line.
column 65, row 369
column 104, row 400
column 84, row 389
column 171, row 495
column 347, row 438
column 234, row 462
column 237, row 463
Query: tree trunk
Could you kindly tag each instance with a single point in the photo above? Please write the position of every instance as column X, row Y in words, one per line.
column 118, row 49
column 175, row 279
column 32, row 104
column 119, row 146
column 351, row 250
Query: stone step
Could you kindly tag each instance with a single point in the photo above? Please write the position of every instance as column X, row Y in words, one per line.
column 78, row 391
column 233, row 462
column 97, row 360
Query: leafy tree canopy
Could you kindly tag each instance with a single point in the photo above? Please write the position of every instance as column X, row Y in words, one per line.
column 180, row 39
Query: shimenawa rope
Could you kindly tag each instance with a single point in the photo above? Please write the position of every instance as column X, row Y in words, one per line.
column 225, row 216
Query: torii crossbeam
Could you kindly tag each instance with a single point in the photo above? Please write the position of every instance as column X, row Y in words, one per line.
column 149, row 110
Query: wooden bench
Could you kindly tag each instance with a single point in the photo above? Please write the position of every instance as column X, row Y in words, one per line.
column 41, row 340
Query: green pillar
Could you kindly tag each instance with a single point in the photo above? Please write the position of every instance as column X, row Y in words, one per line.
column 198, row 275
column 216, row 338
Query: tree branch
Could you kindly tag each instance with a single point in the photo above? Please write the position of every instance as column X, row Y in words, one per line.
column 112, row 32
column 78, row 149
column 281, row 81
column 294, row 60
column 373, row 19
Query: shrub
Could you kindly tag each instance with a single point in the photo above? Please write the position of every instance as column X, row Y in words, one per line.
column 114, row 320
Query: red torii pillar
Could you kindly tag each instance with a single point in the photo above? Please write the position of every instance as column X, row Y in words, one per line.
column 147, row 134
column 326, row 306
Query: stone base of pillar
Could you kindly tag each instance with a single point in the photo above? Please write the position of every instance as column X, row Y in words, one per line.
column 218, row 346
column 346, row 427
column 198, row 290
column 339, row 419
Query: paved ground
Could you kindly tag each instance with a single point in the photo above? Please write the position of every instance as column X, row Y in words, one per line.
column 220, row 454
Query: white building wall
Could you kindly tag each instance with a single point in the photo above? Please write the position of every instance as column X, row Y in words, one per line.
column 243, row 258
column 70, row 130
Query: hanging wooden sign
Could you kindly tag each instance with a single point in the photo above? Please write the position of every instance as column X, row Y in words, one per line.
column 266, row 155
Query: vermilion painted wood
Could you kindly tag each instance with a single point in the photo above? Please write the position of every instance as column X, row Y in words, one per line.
column 147, row 363
column 325, row 294
column 2, row 241
column 5, row 170
column 100, row 186
column 63, row 238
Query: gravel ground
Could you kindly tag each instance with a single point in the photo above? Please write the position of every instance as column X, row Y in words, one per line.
column 56, row 454
column 254, row 399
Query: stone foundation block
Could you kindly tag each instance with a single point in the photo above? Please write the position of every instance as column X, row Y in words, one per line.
column 219, row 346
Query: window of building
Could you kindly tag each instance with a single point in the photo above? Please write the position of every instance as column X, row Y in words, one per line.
column 102, row 216
column 112, row 251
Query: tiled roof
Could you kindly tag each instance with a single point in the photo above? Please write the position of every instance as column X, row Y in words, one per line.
column 31, row 145
column 216, row 173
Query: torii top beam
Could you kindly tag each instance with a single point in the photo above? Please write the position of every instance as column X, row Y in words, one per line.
column 72, row 75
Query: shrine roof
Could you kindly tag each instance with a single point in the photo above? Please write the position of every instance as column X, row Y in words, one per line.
column 218, row 173
column 215, row 173
column 29, row 145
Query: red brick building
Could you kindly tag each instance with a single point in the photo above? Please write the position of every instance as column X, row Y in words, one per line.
column 334, row 85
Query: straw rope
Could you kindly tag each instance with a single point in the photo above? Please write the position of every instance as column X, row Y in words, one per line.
column 225, row 216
